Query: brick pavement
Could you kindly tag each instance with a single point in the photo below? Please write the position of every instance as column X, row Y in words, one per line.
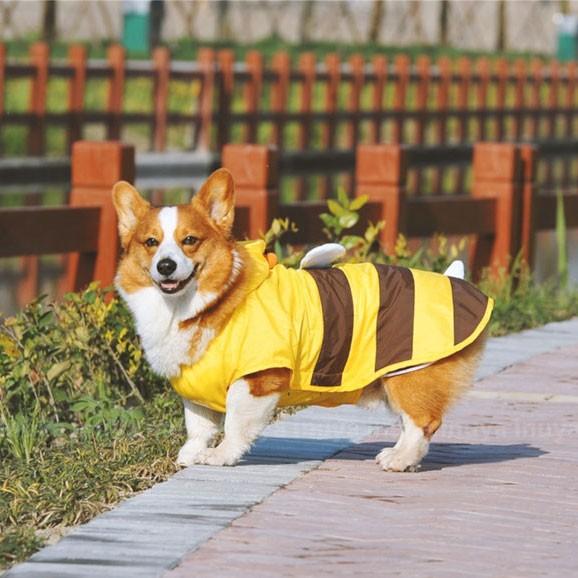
column 496, row 496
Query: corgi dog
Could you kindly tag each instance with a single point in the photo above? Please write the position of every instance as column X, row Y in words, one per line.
column 238, row 335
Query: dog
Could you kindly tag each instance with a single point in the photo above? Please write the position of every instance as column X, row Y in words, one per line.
column 238, row 335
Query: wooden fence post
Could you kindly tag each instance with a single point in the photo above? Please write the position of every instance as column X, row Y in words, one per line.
column 2, row 82
column 529, row 159
column 484, row 80
column 255, row 172
column 76, row 92
column 380, row 70
column 40, row 59
column 381, row 174
column 497, row 174
column 226, row 76
column 307, row 67
column 281, row 66
column 204, row 136
column 253, row 91
column 116, row 61
column 96, row 166
column 402, row 70
column 162, row 64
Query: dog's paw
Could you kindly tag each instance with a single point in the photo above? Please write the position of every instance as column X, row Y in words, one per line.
column 218, row 456
column 189, row 453
column 396, row 460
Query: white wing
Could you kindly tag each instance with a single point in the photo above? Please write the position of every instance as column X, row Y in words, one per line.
column 323, row 256
column 456, row 269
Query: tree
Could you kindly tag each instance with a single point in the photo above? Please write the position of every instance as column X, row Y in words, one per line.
column 502, row 23
column 49, row 21
column 376, row 22
column 306, row 21
column 444, row 21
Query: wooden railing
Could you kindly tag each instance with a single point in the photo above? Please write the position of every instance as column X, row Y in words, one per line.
column 329, row 105
column 503, row 211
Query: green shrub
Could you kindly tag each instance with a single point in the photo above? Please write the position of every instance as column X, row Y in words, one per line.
column 73, row 363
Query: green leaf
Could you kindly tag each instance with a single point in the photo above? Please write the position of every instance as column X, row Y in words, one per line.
column 342, row 197
column 328, row 220
column 358, row 202
column 350, row 241
column 336, row 208
column 348, row 220
column 56, row 370
column 561, row 239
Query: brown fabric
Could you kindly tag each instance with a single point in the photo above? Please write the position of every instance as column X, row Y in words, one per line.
column 337, row 307
column 394, row 331
column 469, row 307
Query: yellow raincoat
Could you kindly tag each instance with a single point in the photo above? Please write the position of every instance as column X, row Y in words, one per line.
column 336, row 329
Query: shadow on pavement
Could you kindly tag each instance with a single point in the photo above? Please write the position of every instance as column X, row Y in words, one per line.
column 447, row 455
column 275, row 451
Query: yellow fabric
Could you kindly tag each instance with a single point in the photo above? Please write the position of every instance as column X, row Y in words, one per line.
column 433, row 324
column 280, row 324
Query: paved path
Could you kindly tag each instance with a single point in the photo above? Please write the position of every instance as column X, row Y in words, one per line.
column 497, row 494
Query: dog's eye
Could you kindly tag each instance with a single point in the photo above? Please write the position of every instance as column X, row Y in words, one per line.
column 151, row 242
column 190, row 240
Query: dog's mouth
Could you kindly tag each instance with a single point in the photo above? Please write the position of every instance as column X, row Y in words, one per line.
column 172, row 286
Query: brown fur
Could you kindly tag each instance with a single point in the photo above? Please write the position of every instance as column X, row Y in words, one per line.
column 269, row 381
column 425, row 395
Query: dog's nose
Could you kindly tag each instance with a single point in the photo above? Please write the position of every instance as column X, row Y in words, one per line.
column 166, row 267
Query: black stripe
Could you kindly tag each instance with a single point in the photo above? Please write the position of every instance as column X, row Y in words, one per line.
column 469, row 307
column 394, row 331
column 337, row 307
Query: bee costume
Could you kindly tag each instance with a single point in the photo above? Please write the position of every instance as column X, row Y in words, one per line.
column 336, row 329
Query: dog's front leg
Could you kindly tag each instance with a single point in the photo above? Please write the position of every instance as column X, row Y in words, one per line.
column 245, row 419
column 202, row 424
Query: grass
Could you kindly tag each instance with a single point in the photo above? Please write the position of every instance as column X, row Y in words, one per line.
column 66, row 484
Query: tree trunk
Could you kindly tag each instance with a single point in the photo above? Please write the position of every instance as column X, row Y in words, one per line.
column 444, row 21
column 49, row 21
column 502, row 23
column 306, row 24
column 376, row 22
column 157, row 12
column 223, row 26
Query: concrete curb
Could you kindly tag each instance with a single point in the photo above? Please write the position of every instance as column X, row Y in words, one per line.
column 150, row 533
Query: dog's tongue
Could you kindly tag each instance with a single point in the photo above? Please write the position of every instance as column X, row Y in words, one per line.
column 169, row 285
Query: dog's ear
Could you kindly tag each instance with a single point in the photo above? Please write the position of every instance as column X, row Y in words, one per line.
column 217, row 198
column 130, row 208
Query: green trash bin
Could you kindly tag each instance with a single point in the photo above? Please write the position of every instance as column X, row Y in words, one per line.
column 136, row 26
column 567, row 46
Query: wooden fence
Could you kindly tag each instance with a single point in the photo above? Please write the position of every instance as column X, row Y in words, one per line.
column 330, row 105
column 503, row 212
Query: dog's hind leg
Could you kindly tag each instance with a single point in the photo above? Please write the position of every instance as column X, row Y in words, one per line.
column 421, row 399
column 410, row 448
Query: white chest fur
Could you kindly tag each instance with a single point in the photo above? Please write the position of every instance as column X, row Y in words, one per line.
column 157, row 319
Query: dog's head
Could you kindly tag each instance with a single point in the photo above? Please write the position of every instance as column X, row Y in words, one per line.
column 183, row 252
